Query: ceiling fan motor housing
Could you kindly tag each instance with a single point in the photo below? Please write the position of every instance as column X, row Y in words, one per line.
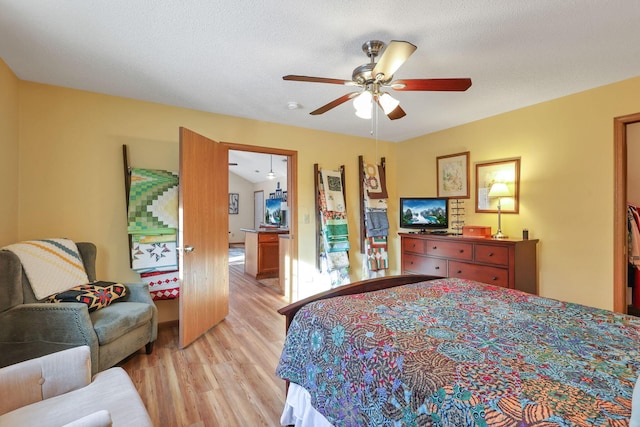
column 363, row 74
column 372, row 48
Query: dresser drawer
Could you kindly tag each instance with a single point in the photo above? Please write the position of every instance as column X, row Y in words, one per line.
column 452, row 250
column 493, row 261
column 267, row 237
column 415, row 246
column 480, row 273
column 491, row 254
column 423, row 265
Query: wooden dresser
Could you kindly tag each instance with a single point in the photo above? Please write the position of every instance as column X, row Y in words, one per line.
column 509, row 263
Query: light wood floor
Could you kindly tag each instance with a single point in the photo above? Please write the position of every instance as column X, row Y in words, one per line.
column 226, row 377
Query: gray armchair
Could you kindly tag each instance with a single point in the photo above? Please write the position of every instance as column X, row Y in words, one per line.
column 30, row 328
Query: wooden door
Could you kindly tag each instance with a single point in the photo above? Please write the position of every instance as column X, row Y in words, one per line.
column 203, row 236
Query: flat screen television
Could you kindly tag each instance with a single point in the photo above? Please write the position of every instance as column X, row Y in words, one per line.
column 424, row 213
column 273, row 212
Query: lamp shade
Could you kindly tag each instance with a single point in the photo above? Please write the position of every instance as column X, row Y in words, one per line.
column 364, row 113
column 388, row 103
column 363, row 103
column 499, row 189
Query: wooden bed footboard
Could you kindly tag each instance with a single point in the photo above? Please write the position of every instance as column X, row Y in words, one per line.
column 360, row 287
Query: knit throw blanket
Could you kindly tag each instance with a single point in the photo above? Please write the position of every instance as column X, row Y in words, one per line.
column 51, row 265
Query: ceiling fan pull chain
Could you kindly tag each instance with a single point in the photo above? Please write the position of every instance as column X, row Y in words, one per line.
column 372, row 131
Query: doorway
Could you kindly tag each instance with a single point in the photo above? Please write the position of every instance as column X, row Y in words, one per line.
column 291, row 201
column 620, row 257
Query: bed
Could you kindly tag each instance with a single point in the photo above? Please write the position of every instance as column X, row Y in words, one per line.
column 418, row 350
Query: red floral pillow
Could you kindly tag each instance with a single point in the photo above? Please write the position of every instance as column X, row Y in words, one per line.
column 95, row 295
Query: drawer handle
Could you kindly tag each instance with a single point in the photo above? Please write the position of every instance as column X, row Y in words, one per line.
column 494, row 279
column 461, row 250
column 437, row 267
column 459, row 271
column 490, row 253
column 435, row 247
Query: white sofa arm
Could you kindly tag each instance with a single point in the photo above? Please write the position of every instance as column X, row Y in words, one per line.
column 37, row 379
column 97, row 419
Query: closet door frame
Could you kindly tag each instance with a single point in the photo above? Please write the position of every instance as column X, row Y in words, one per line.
column 620, row 249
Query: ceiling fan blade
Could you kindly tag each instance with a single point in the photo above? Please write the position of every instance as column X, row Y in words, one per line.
column 432, row 84
column 392, row 58
column 397, row 113
column 315, row 79
column 334, row 103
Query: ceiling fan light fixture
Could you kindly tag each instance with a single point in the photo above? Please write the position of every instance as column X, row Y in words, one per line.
column 363, row 100
column 374, row 76
column 362, row 103
column 364, row 114
column 388, row 103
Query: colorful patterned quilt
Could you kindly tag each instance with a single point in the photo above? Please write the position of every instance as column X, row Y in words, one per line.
column 460, row 353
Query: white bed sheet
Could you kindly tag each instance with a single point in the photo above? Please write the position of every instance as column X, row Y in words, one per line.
column 635, row 405
column 298, row 410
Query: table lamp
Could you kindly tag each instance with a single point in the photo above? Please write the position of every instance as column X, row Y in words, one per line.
column 499, row 190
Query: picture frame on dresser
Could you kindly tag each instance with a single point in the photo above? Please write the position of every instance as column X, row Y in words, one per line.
column 453, row 175
column 488, row 173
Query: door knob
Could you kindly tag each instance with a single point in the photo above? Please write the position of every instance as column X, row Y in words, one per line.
column 189, row 249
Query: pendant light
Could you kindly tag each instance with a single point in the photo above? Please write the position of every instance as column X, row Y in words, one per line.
column 271, row 175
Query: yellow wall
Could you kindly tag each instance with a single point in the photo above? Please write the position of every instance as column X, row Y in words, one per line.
column 70, row 177
column 566, row 182
column 72, row 173
column 8, row 155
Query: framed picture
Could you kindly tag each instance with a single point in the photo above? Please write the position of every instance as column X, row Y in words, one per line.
column 234, row 200
column 453, row 176
column 488, row 174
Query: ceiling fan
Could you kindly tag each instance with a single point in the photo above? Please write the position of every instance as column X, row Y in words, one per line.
column 373, row 77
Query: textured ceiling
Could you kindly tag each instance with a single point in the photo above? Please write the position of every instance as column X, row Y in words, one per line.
column 228, row 57
column 254, row 167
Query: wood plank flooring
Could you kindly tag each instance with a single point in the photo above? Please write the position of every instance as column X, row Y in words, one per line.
column 225, row 378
